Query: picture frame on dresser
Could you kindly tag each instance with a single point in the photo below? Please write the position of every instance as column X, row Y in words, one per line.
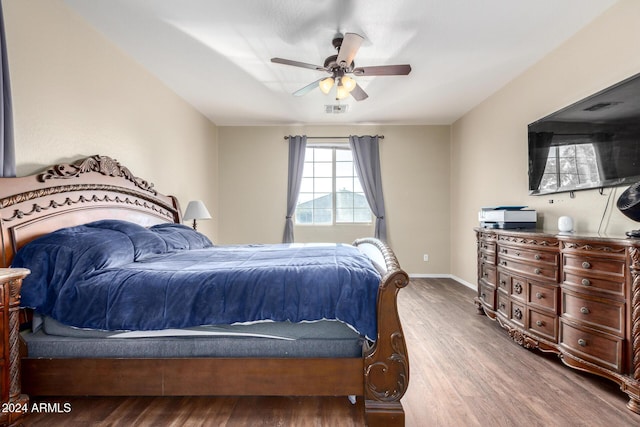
column 575, row 295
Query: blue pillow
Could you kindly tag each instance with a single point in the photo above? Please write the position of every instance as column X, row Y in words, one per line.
column 69, row 254
column 180, row 237
column 145, row 243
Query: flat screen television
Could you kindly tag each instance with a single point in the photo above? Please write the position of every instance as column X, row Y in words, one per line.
column 593, row 143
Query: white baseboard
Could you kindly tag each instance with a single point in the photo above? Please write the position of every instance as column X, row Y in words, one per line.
column 445, row 276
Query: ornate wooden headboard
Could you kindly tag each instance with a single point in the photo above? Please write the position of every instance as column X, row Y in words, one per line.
column 65, row 195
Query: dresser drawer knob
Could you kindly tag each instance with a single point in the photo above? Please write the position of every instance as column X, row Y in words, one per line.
column 502, row 305
column 585, row 264
column 582, row 342
column 586, row 282
column 539, row 295
column 504, row 263
column 539, row 323
column 584, row 310
column 517, row 288
column 537, row 271
column 517, row 253
column 503, row 282
column 537, row 257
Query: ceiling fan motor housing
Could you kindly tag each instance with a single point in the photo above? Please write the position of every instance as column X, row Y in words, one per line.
column 337, row 41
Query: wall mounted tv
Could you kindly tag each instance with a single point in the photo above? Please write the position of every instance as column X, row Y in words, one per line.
column 593, row 143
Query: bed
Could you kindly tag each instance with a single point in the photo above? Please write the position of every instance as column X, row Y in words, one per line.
column 284, row 356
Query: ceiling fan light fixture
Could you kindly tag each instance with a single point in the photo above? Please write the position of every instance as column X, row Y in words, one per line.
column 341, row 91
column 348, row 83
column 326, row 85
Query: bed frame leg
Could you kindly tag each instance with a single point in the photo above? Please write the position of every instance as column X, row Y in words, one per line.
column 383, row 414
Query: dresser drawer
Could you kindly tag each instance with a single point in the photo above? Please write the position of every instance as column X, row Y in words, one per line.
column 543, row 296
column 596, row 312
column 528, row 255
column 584, row 281
column 487, row 257
column 488, row 273
column 595, row 267
column 504, row 282
column 503, row 304
column 487, row 246
column 543, row 324
column 487, row 294
column 602, row 349
column 538, row 271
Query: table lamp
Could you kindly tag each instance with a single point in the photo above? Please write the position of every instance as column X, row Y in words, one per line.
column 196, row 210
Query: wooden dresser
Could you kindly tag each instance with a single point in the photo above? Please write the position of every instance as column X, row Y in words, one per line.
column 574, row 295
column 14, row 404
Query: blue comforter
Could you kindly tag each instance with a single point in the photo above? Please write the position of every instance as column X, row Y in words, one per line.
column 115, row 275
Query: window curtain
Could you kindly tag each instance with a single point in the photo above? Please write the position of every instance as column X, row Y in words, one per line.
column 297, row 147
column 366, row 158
column 7, row 149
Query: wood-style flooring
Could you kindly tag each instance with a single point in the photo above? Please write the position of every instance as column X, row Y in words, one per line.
column 465, row 371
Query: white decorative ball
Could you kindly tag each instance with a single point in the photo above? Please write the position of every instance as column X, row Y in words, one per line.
column 565, row 224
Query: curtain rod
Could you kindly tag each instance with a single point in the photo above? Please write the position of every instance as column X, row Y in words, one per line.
column 334, row 137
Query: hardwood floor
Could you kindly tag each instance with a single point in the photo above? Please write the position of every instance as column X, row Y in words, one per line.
column 465, row 371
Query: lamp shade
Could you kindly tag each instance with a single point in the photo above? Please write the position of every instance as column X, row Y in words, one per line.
column 326, row 85
column 196, row 210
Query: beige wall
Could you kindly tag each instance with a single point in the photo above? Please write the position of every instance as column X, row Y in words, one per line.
column 415, row 175
column 489, row 144
column 75, row 94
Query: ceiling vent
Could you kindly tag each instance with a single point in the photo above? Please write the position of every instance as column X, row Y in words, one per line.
column 336, row 109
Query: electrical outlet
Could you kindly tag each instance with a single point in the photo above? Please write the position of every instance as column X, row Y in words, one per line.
column 425, row 257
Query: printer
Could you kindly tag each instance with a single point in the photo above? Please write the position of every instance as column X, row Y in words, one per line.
column 507, row 217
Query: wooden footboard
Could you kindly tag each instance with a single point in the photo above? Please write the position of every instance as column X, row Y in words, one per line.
column 100, row 188
column 386, row 364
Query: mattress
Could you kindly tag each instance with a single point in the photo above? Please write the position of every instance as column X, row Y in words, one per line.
column 320, row 339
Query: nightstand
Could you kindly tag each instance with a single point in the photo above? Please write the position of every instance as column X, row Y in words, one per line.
column 13, row 404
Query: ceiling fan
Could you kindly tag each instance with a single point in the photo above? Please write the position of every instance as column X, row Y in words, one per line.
column 342, row 64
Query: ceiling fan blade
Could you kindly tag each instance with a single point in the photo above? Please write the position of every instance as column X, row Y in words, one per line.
column 383, row 70
column 308, row 88
column 297, row 64
column 350, row 45
column 358, row 93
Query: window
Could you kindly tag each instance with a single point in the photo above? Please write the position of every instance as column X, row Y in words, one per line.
column 570, row 165
column 330, row 192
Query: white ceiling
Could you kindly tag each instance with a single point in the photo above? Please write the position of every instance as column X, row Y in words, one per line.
column 216, row 54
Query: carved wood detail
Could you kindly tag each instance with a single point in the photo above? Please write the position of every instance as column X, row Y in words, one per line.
column 164, row 210
column 529, row 241
column 11, row 282
column 101, row 164
column 518, row 336
column 592, row 247
column 634, row 270
column 386, row 364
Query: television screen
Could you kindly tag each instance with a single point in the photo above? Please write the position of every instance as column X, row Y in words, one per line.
column 593, row 143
